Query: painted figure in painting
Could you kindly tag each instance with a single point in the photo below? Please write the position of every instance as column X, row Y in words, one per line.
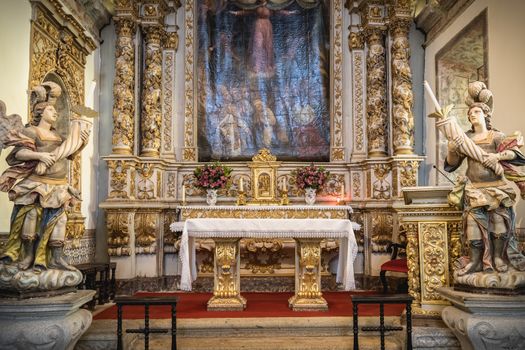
column 261, row 60
column 269, row 60
column 487, row 199
column 37, row 183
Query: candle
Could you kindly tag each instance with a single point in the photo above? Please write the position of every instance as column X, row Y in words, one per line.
column 284, row 185
column 241, row 187
column 342, row 190
column 183, row 193
column 432, row 96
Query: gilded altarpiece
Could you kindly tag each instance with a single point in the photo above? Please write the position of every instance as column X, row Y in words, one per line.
column 58, row 53
column 370, row 156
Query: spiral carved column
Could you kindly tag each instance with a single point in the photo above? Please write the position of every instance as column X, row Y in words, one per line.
column 151, row 119
column 402, row 96
column 377, row 125
column 124, row 87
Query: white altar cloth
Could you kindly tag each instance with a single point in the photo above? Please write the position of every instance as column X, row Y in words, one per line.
column 269, row 228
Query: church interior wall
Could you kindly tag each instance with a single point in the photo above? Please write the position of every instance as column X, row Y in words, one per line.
column 506, row 72
column 14, row 70
column 107, row 74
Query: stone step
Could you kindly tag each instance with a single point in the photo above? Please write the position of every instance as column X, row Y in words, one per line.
column 272, row 343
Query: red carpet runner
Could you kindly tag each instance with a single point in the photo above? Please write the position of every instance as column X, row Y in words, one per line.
column 193, row 305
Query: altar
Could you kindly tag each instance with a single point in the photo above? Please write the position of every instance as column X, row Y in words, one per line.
column 307, row 233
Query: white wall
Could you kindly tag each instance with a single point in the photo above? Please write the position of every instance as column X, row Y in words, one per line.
column 14, row 72
column 90, row 153
column 506, row 69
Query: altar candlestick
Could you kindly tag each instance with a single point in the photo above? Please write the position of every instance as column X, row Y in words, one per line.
column 432, row 96
column 183, row 194
column 241, row 187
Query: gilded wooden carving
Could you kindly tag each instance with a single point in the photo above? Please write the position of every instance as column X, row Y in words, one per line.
column 151, row 93
column 376, row 93
column 117, row 224
column 124, row 87
column 381, row 186
column 402, row 97
column 434, row 259
column 412, row 249
column 146, row 229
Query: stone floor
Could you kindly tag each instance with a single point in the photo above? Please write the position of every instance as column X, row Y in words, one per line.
column 285, row 333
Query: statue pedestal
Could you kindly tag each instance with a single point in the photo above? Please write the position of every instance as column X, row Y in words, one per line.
column 484, row 321
column 50, row 323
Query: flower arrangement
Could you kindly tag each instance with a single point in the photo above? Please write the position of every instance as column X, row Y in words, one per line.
column 212, row 176
column 311, row 176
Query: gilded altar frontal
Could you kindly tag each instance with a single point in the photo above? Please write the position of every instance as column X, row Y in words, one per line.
column 263, row 79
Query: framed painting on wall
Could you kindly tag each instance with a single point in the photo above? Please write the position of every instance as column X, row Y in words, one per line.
column 462, row 60
column 263, row 79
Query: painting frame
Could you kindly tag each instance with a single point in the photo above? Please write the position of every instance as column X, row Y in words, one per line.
column 189, row 150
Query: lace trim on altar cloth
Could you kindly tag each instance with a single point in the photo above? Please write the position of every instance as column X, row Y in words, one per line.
column 267, row 207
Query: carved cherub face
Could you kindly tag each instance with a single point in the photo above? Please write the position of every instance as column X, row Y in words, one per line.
column 49, row 115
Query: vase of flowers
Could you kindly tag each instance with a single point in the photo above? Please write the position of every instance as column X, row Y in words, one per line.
column 212, row 177
column 310, row 179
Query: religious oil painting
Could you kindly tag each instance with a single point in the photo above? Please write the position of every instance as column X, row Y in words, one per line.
column 263, row 79
column 459, row 62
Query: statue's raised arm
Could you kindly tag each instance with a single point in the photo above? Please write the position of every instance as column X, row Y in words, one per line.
column 37, row 183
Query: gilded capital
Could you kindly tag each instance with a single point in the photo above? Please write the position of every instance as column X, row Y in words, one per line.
column 399, row 27
column 355, row 41
column 153, row 34
column 171, row 40
column 125, row 27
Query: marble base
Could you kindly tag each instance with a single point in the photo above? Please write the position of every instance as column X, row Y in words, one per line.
column 44, row 323
column 511, row 282
column 28, row 283
column 483, row 321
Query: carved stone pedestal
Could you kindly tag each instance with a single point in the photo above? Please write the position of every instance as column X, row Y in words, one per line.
column 44, row 323
column 482, row 321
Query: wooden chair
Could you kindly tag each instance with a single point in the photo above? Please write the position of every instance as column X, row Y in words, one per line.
column 393, row 265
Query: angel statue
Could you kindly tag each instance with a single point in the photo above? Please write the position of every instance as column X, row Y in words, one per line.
column 36, row 181
column 484, row 195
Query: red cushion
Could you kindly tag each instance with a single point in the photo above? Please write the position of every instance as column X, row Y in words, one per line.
column 396, row 265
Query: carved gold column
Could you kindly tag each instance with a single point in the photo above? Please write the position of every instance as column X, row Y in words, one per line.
column 377, row 125
column 150, row 122
column 226, row 286
column 402, row 97
column 455, row 228
column 124, row 87
column 356, row 46
column 308, row 296
column 412, row 250
column 170, row 44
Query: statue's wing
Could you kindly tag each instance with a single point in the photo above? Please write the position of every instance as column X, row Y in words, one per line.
column 10, row 125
